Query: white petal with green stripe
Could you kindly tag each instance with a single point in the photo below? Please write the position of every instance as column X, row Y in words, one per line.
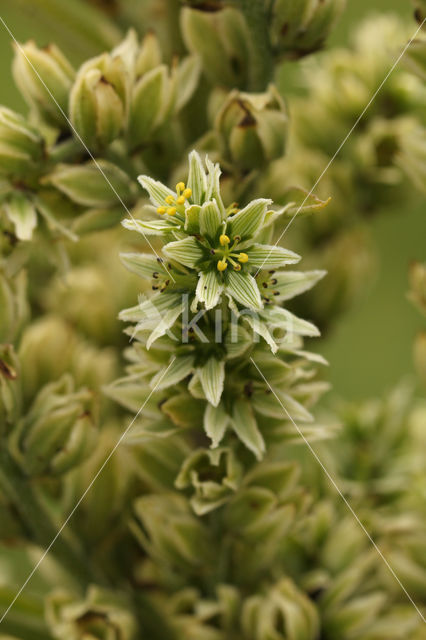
column 250, row 219
column 268, row 405
column 261, row 329
column 187, row 251
column 158, row 192
column 209, row 289
column 179, row 369
column 210, row 219
column 263, row 255
column 245, row 426
column 292, row 283
column 150, row 227
column 215, row 422
column 212, row 378
column 278, row 317
column 143, row 264
column 197, row 180
column 167, row 321
column 243, row 288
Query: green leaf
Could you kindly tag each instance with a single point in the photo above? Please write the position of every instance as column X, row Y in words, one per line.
column 243, row 288
column 143, row 264
column 263, row 255
column 292, row 283
column 197, row 180
column 215, row 422
column 210, row 219
column 249, row 220
column 245, row 426
column 209, row 289
column 150, row 227
column 187, row 251
column 21, row 212
column 179, row 369
column 212, row 378
column 147, row 105
column 157, row 191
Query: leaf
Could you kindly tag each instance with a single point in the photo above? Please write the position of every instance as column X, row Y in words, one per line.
column 210, row 219
column 146, row 108
column 157, row 191
column 143, row 264
column 292, row 283
column 249, row 220
column 212, row 378
column 243, row 287
column 197, row 180
column 179, row 369
column 21, row 212
column 263, row 255
column 150, row 227
column 245, row 426
column 187, row 251
column 209, row 289
column 215, row 422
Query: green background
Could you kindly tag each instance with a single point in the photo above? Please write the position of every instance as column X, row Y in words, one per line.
column 370, row 349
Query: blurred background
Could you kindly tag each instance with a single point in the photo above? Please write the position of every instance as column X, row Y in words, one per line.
column 370, row 349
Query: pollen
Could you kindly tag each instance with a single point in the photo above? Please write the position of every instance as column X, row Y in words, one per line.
column 180, row 200
column 161, row 210
column 224, row 240
column 171, row 211
column 180, row 187
column 243, row 257
column 222, row 265
column 187, row 193
column 237, row 267
column 170, row 199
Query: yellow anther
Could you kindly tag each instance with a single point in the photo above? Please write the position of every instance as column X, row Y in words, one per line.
column 180, row 200
column 180, row 186
column 224, row 240
column 237, row 267
column 161, row 210
column 170, row 199
column 243, row 257
column 222, row 265
column 187, row 193
column 171, row 211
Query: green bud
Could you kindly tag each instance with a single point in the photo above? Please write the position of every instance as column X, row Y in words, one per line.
column 10, row 393
column 221, row 40
column 282, row 607
column 101, row 615
column 44, row 77
column 149, row 56
column 90, row 187
column 11, row 528
column 301, row 27
column 58, row 432
column 417, row 293
column 21, row 144
column 213, row 475
column 171, row 533
column 252, row 128
column 415, row 56
column 96, row 108
column 420, row 355
column 14, row 309
column 21, row 212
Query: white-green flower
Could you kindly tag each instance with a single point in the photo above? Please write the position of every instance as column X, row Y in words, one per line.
column 220, row 244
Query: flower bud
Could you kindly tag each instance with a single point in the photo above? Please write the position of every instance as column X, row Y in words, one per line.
column 420, row 356
column 252, row 128
column 101, row 615
column 221, row 40
column 11, row 528
column 417, row 294
column 301, row 27
column 21, row 145
column 58, row 432
column 14, row 309
column 44, row 77
column 213, row 474
column 10, row 393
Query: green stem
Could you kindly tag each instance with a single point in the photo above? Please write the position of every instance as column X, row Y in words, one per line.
column 38, row 521
column 262, row 62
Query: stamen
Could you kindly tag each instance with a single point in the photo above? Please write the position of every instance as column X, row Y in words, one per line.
column 180, row 186
column 222, row 265
column 161, row 210
column 180, row 200
column 243, row 257
column 170, row 199
column 171, row 211
column 224, row 239
column 187, row 193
